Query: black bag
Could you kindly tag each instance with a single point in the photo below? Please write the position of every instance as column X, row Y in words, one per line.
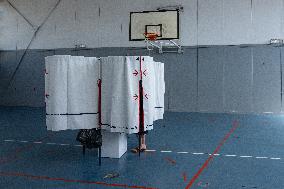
column 91, row 138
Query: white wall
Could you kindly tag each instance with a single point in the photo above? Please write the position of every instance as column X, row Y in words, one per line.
column 219, row 22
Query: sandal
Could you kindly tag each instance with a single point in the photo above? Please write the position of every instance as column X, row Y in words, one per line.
column 136, row 150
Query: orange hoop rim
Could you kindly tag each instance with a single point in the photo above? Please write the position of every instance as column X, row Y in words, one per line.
column 151, row 36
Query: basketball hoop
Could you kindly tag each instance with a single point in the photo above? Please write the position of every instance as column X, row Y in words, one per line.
column 151, row 41
column 151, row 36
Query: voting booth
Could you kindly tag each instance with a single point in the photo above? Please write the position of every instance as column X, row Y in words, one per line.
column 89, row 93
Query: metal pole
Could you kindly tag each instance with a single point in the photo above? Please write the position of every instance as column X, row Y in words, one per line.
column 141, row 120
column 141, row 109
column 84, row 149
column 100, row 156
column 100, row 117
column 139, row 138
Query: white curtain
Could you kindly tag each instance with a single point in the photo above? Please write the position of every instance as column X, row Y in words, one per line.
column 76, row 78
column 56, row 68
column 82, row 102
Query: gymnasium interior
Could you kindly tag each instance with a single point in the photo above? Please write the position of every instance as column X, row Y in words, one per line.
column 201, row 80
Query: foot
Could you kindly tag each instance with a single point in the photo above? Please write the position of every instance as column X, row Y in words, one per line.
column 136, row 150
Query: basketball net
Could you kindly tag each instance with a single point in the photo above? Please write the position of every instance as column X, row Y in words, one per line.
column 151, row 36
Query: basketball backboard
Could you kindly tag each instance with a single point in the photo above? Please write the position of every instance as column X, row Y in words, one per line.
column 164, row 23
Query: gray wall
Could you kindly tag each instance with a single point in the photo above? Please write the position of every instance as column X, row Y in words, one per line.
column 215, row 78
column 243, row 79
column 105, row 23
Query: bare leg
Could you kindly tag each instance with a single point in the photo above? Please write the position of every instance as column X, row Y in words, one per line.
column 143, row 145
column 143, row 142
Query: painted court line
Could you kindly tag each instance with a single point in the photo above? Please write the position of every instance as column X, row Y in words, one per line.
column 150, row 150
column 17, row 153
column 246, row 156
column 51, row 143
column 169, row 151
column 275, row 158
column 231, row 155
column 37, row 177
column 195, row 153
column 9, row 140
column 64, row 144
column 195, row 177
column 23, row 141
column 214, row 154
column 39, row 142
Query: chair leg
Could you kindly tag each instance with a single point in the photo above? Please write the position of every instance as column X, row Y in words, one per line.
column 139, row 148
column 100, row 156
column 84, row 149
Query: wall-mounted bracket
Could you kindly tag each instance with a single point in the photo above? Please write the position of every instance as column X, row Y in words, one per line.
column 172, row 7
column 165, row 46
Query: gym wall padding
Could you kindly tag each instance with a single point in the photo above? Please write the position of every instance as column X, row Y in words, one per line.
column 27, row 88
column 183, row 82
column 210, row 79
column 237, row 79
column 219, row 79
column 282, row 71
column 8, row 61
column 267, row 83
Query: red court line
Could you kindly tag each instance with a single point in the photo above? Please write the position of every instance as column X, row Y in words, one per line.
column 71, row 181
column 194, row 178
column 184, row 177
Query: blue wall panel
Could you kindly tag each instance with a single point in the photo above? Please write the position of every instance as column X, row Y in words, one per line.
column 8, row 65
column 267, row 80
column 238, row 79
column 86, row 52
column 210, row 79
column 183, row 82
column 71, row 52
column 35, row 88
column 27, row 88
column 115, row 51
column 282, row 73
column 225, row 78
column 137, row 52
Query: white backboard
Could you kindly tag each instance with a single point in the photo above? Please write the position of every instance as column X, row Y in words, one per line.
column 165, row 23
